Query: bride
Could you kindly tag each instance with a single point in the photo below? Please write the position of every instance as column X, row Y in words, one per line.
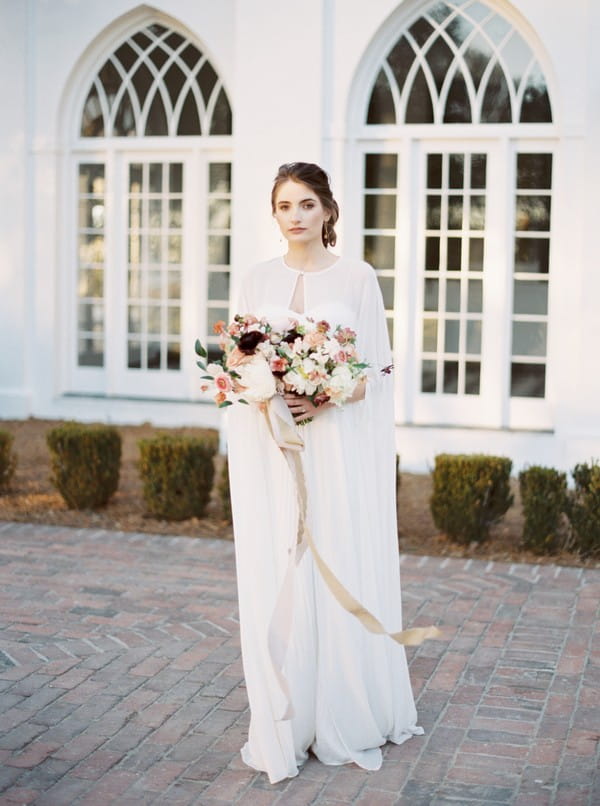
column 340, row 691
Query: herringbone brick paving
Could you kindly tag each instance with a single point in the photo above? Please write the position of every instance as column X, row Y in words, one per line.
column 121, row 681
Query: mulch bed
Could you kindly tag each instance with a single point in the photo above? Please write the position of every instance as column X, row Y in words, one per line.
column 33, row 499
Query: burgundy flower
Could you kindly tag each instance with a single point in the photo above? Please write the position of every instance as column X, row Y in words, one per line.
column 249, row 341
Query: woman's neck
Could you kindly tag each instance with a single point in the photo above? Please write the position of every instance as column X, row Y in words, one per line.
column 309, row 257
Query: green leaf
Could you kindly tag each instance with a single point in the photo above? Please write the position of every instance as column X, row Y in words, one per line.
column 245, row 402
column 201, row 364
column 224, row 403
column 200, row 349
column 206, row 378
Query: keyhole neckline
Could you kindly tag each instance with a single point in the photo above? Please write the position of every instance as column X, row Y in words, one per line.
column 307, row 273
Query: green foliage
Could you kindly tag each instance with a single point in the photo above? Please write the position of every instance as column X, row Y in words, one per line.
column 224, row 493
column 85, row 462
column 585, row 509
column 544, row 498
column 177, row 475
column 470, row 493
column 8, row 460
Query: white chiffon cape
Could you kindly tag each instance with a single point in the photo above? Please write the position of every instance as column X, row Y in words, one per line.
column 349, row 689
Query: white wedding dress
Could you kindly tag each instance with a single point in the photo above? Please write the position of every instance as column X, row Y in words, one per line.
column 349, row 690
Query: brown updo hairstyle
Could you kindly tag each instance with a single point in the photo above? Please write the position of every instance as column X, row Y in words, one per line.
column 317, row 180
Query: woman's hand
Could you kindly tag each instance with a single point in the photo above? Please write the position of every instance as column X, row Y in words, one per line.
column 302, row 407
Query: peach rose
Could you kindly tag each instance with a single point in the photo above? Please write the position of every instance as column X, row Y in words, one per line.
column 220, row 397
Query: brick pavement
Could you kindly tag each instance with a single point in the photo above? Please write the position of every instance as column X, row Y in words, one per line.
column 121, row 681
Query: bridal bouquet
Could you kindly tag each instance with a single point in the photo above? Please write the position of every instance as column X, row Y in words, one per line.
column 261, row 358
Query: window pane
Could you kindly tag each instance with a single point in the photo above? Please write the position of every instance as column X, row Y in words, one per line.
column 91, row 283
column 430, row 329
column 134, row 319
column 134, row 355
column 380, row 212
column 472, row 377
column 175, row 214
column 90, row 352
column 219, row 213
column 174, row 320
column 474, row 336
column 381, row 104
column 530, row 297
column 475, row 254
column 218, row 285
column 454, row 246
column 90, row 316
column 156, row 171
column 478, row 168
column 218, row 250
column 387, row 291
column 455, row 212
column 136, row 213
column 532, row 255
column 216, row 315
column 155, row 213
column 173, row 355
column 134, row 283
column 477, row 220
column 153, row 355
column 456, row 178
column 428, row 371
column 450, row 377
column 534, row 171
column 91, row 249
column 91, row 178
column 528, row 380
column 533, row 213
column 174, row 284
column 154, row 249
column 135, row 177
column 431, row 295
column 175, row 177
column 432, row 254
column 453, row 295
column 154, row 320
column 219, row 177
column 451, row 335
column 434, row 171
column 381, row 170
column 433, row 212
column 475, row 298
column 379, row 251
column 154, row 289
column 91, row 214
column 529, row 338
column 175, row 246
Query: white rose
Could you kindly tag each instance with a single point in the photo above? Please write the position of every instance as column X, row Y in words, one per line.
column 257, row 379
column 341, row 385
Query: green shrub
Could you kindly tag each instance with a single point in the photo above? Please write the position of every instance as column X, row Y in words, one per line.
column 585, row 509
column 224, row 492
column 85, row 462
column 470, row 493
column 8, row 460
column 544, row 498
column 177, row 474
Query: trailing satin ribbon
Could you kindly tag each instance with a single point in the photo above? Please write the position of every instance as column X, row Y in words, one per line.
column 285, row 433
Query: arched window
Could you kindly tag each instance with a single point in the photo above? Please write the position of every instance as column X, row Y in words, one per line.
column 154, row 224
column 460, row 63
column 458, row 151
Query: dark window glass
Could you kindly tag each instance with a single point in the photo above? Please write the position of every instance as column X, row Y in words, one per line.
column 400, row 58
column 533, row 213
column 428, row 371
column 432, row 254
column 419, row 108
column 189, row 121
column 476, row 254
column 496, row 101
column 219, row 177
column 454, row 247
column 156, row 123
column 379, row 251
column 527, row 380
column 433, row 212
column 221, row 122
column 532, row 255
column 434, row 171
column 386, row 284
column 439, row 57
column 534, row 171
column 472, row 377
column 478, row 169
column 456, row 166
column 207, row 78
column 380, row 212
column 458, row 105
column 381, row 170
column 536, row 107
column 381, row 105
column 450, row 377
column 432, row 288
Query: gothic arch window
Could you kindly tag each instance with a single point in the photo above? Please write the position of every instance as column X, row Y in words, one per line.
column 458, row 150
column 460, row 63
column 153, row 192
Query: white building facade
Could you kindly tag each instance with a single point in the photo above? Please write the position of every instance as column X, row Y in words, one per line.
column 137, row 149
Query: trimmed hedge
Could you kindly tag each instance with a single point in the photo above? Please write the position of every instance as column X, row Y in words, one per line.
column 224, row 492
column 85, row 462
column 470, row 493
column 544, row 497
column 177, row 475
column 585, row 509
column 8, row 460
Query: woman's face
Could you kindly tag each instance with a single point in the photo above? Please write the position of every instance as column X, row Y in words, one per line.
column 299, row 212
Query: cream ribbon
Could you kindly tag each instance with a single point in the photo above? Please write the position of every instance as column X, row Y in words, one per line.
column 285, row 433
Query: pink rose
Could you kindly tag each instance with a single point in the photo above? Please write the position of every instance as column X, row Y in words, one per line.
column 315, row 339
column 223, row 382
column 341, row 357
column 278, row 364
